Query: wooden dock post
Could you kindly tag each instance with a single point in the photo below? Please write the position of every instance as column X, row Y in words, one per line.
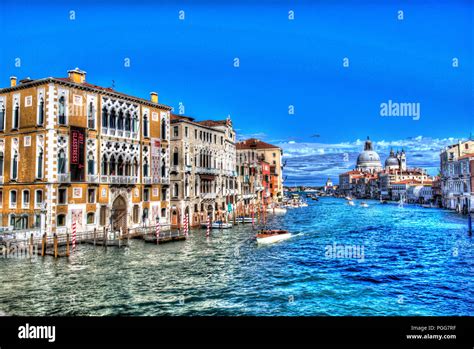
column 120, row 237
column 55, row 245
column 105, row 237
column 30, row 249
column 95, row 235
column 67, row 245
column 43, row 245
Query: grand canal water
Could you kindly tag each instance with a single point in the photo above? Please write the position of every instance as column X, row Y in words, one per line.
column 416, row 261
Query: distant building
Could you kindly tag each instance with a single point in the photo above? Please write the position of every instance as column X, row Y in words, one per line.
column 256, row 150
column 457, row 173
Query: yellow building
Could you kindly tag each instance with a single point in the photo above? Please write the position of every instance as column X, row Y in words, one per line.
column 70, row 150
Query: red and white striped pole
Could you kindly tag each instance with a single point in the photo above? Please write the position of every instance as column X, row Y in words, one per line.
column 186, row 224
column 208, row 231
column 157, row 231
column 74, row 227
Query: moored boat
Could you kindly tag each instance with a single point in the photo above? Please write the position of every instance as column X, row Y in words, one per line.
column 364, row 204
column 218, row 225
column 244, row 219
column 350, row 203
column 272, row 236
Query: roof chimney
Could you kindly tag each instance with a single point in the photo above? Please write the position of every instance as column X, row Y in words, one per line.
column 12, row 81
column 77, row 75
column 154, row 97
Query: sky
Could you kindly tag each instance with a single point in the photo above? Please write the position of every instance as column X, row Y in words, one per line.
column 291, row 86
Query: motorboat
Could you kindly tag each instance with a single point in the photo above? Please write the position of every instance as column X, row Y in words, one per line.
column 272, row 236
column 364, row 204
column 348, row 198
column 218, row 225
column 350, row 203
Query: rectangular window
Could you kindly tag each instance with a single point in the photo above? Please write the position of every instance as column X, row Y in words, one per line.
column 91, row 196
column 186, row 131
column 175, row 131
column 195, row 134
column 62, row 196
column 146, row 194
column 135, row 213
column 1, row 198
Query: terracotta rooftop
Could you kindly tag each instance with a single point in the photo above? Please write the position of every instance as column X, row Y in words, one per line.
column 212, row 123
column 412, row 181
column 180, row 117
column 465, row 156
column 253, row 143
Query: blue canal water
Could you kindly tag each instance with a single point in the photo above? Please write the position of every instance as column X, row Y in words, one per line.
column 410, row 261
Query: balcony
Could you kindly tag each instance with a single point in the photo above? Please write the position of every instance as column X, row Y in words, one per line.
column 187, row 168
column 92, row 178
column 64, row 177
column 147, row 180
column 208, row 196
column 207, row 170
column 119, row 179
column 174, row 169
column 165, row 180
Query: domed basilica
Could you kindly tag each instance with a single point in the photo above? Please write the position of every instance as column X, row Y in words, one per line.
column 369, row 160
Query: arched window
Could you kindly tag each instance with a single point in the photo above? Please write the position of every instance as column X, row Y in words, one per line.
column 25, row 200
column 104, row 165
column 112, row 119
column 1, row 164
column 62, row 111
column 13, row 198
column 16, row 116
column 135, row 123
column 112, row 166
column 105, row 118
column 120, row 125
column 145, row 168
column 2, row 117
column 175, row 157
column 39, row 164
column 120, row 168
column 91, row 115
column 128, row 122
column 15, row 165
column 176, row 190
column 38, row 198
column 135, row 167
column 41, row 111
column 90, row 163
column 145, row 126
column 62, row 162
column 163, row 129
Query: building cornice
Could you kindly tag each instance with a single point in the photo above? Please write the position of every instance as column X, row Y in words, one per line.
column 79, row 86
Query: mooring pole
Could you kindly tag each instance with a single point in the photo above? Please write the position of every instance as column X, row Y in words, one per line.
column 55, row 243
column 31, row 244
column 67, row 245
column 43, row 245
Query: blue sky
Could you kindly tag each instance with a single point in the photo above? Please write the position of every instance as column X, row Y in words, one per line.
column 282, row 62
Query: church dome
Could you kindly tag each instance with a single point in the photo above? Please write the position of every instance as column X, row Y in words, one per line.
column 368, row 160
column 367, row 156
column 391, row 160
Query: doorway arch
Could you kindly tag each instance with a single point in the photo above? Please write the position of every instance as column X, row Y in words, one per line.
column 119, row 214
